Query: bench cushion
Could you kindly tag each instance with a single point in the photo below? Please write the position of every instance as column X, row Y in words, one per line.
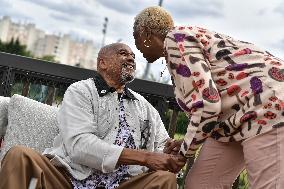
column 30, row 123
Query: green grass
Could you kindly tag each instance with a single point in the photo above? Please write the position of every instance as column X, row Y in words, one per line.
column 178, row 136
column 243, row 182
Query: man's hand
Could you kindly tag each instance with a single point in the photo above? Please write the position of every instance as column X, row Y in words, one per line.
column 166, row 162
column 172, row 146
column 152, row 160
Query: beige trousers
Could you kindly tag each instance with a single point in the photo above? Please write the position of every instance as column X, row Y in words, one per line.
column 219, row 164
column 21, row 164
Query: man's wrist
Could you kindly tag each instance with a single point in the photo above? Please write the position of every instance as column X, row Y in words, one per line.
column 144, row 156
column 133, row 157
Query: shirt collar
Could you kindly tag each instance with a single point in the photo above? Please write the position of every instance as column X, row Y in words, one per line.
column 104, row 89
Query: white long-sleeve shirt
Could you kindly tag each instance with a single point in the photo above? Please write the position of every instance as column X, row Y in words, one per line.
column 88, row 122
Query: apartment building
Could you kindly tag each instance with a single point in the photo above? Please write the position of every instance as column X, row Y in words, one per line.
column 62, row 47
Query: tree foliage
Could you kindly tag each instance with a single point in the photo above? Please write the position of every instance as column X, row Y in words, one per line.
column 49, row 58
column 182, row 121
column 14, row 47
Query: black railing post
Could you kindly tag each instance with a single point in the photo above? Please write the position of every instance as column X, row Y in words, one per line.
column 50, row 95
column 6, row 83
column 26, row 88
column 1, row 81
column 173, row 123
column 162, row 108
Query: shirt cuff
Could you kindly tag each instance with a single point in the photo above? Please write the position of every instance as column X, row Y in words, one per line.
column 111, row 158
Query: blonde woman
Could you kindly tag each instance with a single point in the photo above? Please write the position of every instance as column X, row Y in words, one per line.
column 231, row 92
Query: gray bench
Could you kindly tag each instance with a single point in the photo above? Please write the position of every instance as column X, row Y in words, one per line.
column 26, row 122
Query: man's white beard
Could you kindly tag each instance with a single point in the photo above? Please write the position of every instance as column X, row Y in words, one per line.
column 126, row 77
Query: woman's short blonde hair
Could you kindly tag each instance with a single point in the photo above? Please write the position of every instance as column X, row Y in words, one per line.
column 153, row 19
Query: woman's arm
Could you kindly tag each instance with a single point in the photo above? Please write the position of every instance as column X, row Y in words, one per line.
column 195, row 89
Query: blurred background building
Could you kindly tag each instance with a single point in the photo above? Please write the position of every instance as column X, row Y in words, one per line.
column 63, row 48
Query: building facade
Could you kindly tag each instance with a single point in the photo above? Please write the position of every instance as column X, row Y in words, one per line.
column 64, row 49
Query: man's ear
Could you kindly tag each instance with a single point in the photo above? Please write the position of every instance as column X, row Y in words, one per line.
column 102, row 64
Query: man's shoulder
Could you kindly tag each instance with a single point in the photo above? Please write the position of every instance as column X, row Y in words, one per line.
column 83, row 86
column 137, row 95
column 82, row 83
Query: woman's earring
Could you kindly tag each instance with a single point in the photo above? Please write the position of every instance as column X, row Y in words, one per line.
column 147, row 43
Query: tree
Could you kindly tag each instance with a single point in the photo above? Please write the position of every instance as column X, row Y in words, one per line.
column 49, row 58
column 182, row 121
column 14, row 47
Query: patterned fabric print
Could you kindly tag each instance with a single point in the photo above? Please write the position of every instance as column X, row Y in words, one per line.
column 111, row 180
column 230, row 89
column 145, row 134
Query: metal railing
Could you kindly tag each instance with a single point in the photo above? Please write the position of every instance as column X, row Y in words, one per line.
column 46, row 82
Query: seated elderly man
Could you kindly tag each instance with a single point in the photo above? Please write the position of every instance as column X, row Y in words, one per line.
column 110, row 137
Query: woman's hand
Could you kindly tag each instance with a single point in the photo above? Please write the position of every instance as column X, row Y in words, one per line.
column 166, row 162
column 172, row 146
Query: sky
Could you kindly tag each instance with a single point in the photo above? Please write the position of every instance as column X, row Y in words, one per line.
column 257, row 21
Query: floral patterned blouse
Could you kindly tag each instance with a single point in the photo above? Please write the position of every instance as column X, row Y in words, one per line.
column 230, row 89
column 111, row 180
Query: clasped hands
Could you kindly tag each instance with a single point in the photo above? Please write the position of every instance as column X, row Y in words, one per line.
column 170, row 160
